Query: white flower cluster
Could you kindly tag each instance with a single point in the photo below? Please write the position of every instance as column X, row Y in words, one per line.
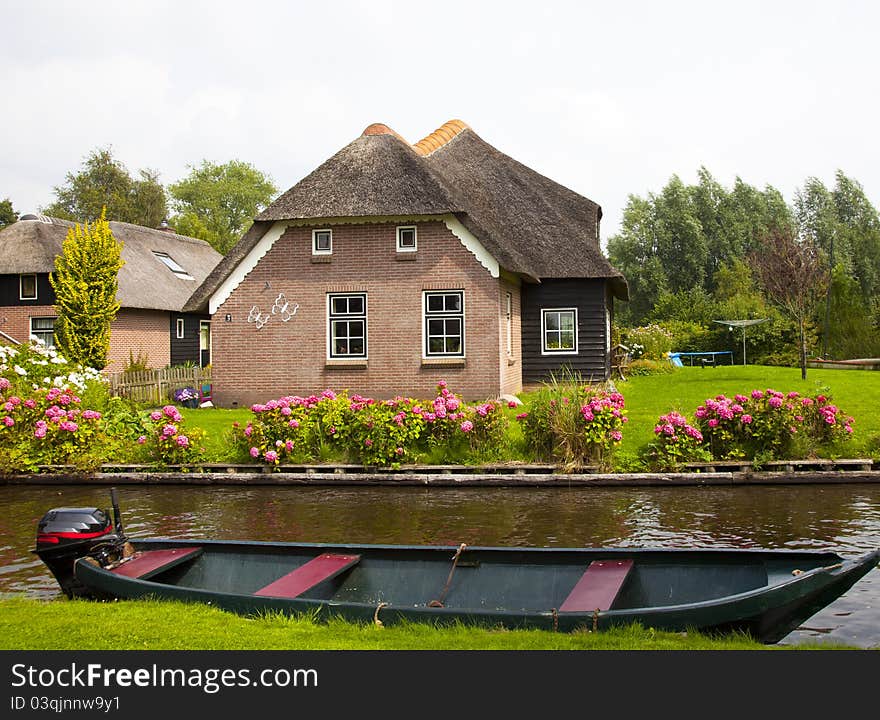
column 31, row 361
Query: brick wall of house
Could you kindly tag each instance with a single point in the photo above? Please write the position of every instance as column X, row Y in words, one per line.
column 254, row 365
column 15, row 319
column 139, row 332
column 136, row 331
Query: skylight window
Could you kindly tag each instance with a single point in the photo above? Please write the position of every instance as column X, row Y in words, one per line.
column 172, row 265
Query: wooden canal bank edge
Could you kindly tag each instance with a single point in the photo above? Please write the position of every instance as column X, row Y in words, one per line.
column 796, row 472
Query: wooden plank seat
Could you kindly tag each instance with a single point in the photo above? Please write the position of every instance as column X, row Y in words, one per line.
column 151, row 562
column 305, row 577
column 598, row 587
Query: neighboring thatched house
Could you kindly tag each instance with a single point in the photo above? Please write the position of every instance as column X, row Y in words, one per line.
column 392, row 266
column 161, row 271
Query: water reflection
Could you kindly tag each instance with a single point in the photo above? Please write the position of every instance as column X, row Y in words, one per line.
column 845, row 518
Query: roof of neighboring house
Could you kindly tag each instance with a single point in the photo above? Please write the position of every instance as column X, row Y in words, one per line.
column 530, row 224
column 145, row 282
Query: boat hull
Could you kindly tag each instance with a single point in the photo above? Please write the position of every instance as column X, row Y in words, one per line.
column 764, row 593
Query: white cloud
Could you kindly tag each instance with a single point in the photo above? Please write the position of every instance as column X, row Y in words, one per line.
column 607, row 98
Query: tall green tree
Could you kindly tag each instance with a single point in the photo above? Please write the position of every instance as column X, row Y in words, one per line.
column 85, row 281
column 7, row 213
column 105, row 184
column 218, row 203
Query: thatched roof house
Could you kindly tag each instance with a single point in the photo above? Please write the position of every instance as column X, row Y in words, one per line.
column 31, row 245
column 525, row 229
column 161, row 271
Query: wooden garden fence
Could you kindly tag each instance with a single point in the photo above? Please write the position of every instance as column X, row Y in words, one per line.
column 158, row 386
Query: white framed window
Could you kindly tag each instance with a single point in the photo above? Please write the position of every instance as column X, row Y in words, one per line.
column 172, row 265
column 27, row 287
column 180, row 328
column 43, row 329
column 347, row 325
column 444, row 323
column 322, row 242
column 559, row 331
column 407, row 239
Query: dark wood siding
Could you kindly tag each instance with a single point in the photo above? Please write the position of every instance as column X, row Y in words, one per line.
column 589, row 297
column 186, row 349
column 10, row 290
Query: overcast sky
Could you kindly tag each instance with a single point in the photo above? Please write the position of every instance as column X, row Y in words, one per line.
column 609, row 99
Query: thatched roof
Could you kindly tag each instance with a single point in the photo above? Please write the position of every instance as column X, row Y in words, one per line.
column 31, row 245
column 530, row 224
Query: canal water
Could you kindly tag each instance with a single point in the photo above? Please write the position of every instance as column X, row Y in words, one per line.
column 842, row 518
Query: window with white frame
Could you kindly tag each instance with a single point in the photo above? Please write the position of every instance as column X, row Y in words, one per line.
column 559, row 331
column 27, row 287
column 407, row 240
column 444, row 323
column 347, row 320
column 180, row 328
column 322, row 242
column 43, row 329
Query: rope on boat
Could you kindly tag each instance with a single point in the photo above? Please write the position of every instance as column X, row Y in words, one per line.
column 376, row 619
column 438, row 603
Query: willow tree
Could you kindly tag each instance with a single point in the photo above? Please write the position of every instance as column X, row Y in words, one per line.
column 85, row 283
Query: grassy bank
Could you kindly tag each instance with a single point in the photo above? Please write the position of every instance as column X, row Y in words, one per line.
column 147, row 625
column 856, row 392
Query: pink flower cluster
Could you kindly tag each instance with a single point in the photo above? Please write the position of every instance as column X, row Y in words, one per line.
column 169, row 439
column 52, row 417
column 601, row 403
column 376, row 431
column 674, row 424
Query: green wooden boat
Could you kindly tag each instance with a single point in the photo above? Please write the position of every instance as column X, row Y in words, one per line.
column 766, row 593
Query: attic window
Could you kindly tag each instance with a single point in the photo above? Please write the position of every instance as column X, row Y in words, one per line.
column 27, row 287
column 406, row 239
column 172, row 265
column 322, row 242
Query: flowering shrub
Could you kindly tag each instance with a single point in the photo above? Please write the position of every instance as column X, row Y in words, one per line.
column 579, row 424
column 676, row 442
column 48, row 426
column 32, row 366
column 166, row 441
column 183, row 394
column 375, row 432
column 654, row 341
column 769, row 423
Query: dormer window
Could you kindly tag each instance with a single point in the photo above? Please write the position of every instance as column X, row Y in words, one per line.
column 406, row 239
column 27, row 287
column 172, row 265
column 322, row 242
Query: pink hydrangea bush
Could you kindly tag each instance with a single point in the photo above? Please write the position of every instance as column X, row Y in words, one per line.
column 768, row 423
column 167, row 442
column 386, row 433
column 49, row 426
column 579, row 425
column 676, row 442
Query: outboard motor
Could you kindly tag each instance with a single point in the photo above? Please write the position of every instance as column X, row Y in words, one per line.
column 65, row 535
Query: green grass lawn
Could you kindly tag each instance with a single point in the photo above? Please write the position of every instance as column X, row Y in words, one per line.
column 856, row 392
column 148, row 625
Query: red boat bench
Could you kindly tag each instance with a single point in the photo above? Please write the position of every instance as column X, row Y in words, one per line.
column 598, row 587
column 149, row 563
column 305, row 577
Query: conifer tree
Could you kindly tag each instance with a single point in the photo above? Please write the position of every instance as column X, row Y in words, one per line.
column 85, row 283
